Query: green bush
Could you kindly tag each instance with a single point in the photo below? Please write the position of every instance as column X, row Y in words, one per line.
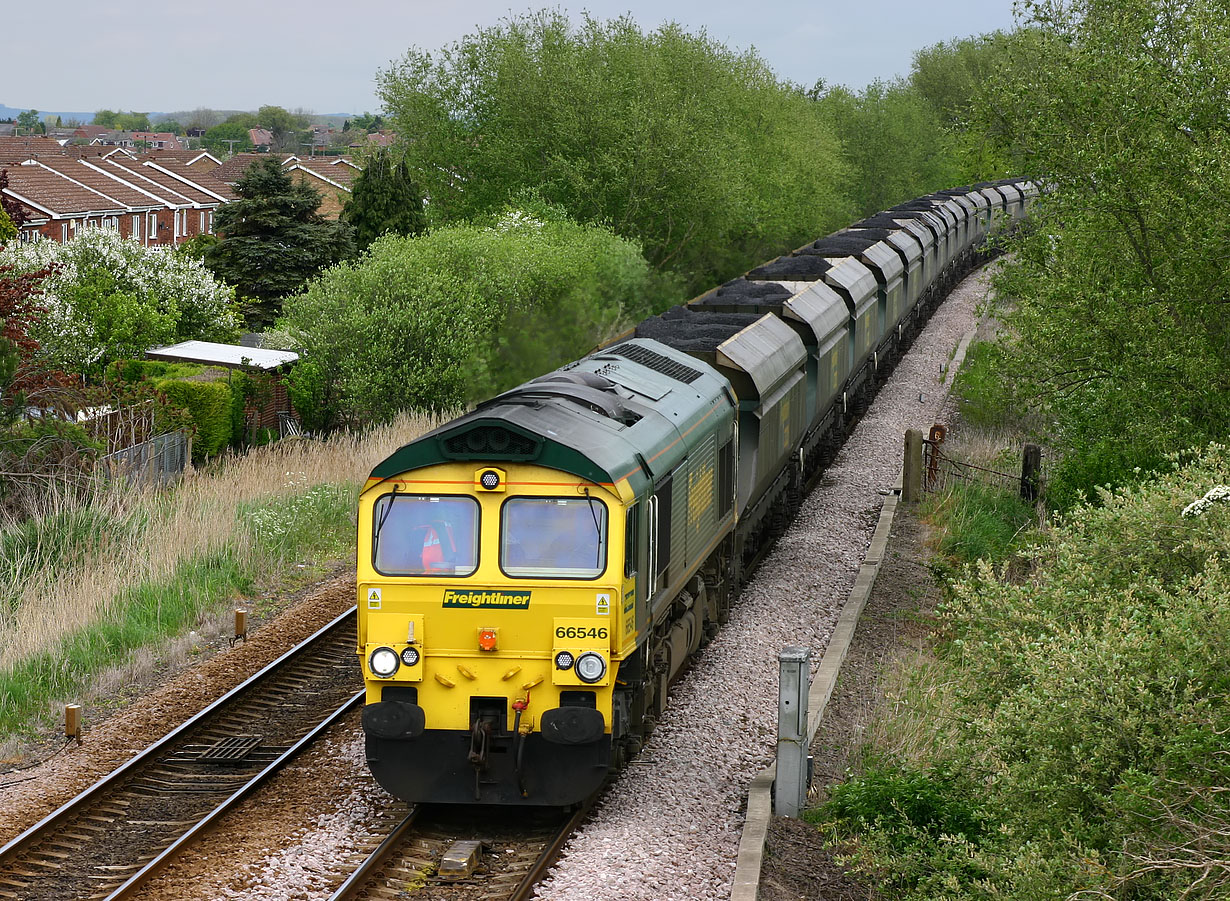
column 209, row 404
column 1087, row 704
column 139, row 370
column 904, row 802
column 431, row 322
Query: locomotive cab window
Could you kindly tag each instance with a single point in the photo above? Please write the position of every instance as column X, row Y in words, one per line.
column 553, row 537
column 418, row 535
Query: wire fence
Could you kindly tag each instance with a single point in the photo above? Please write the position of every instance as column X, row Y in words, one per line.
column 940, row 472
column 159, row 460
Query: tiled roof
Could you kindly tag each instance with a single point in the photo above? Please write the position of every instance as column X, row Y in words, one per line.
column 183, row 156
column 182, row 172
column 149, row 180
column 48, row 191
column 329, row 169
column 260, row 136
column 233, row 169
column 18, row 149
column 122, row 192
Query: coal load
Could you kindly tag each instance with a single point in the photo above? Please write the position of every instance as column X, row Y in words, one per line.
column 741, row 292
column 880, row 222
column 693, row 331
column 802, row 268
column 846, row 244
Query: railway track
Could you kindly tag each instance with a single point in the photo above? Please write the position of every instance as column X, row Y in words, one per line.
column 441, row 852
column 110, row 839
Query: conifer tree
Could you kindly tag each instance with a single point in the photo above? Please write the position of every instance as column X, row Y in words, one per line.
column 273, row 240
column 385, row 199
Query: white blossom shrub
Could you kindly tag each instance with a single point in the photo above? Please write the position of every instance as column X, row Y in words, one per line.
column 111, row 297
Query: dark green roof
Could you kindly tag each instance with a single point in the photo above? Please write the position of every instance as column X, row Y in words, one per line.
column 624, row 412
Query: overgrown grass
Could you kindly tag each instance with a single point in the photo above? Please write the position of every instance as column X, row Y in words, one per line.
column 1074, row 712
column 143, row 615
column 979, row 522
column 85, row 588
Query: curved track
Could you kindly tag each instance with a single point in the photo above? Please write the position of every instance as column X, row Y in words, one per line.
column 112, row 837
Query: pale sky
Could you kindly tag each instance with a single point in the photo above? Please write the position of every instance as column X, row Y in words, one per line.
column 151, row 56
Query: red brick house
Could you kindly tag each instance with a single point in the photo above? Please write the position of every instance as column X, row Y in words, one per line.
column 160, row 197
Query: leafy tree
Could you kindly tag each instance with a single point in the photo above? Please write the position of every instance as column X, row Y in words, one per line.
column 107, row 297
column 893, row 142
column 384, row 199
column 10, row 206
column 204, row 119
column 286, row 127
column 430, row 322
column 8, row 231
column 952, row 79
column 365, row 122
column 273, row 240
column 131, row 121
column 196, row 246
column 1120, row 334
column 168, row 125
column 32, row 447
column 247, row 120
column 227, row 137
column 30, row 123
column 105, row 118
column 697, row 152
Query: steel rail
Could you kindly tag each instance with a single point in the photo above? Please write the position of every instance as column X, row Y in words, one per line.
column 72, row 807
column 143, row 875
column 551, row 854
column 375, row 860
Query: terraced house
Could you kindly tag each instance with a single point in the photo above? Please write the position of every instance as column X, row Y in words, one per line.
column 156, row 197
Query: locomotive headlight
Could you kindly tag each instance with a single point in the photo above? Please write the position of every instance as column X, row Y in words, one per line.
column 410, row 656
column 590, row 667
column 383, row 662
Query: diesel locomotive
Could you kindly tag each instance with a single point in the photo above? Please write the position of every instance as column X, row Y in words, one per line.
column 534, row 574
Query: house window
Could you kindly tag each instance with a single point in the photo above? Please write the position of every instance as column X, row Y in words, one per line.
column 136, row 225
column 64, row 232
column 152, row 233
column 204, row 215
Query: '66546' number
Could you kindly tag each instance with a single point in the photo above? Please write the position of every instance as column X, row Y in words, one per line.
column 598, row 632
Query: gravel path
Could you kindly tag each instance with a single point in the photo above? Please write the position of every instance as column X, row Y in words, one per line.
column 669, row 828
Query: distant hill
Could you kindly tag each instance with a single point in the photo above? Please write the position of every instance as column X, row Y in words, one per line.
column 12, row 112
column 182, row 116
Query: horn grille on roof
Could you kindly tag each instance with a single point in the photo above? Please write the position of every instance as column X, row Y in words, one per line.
column 486, row 441
column 657, row 362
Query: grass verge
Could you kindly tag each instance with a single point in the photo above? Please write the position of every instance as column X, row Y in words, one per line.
column 1066, row 739
column 86, row 588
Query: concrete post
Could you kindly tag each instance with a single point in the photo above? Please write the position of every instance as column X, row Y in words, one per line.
column 790, row 788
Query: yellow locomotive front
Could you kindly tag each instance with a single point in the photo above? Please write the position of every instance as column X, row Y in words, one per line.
column 491, row 629
column 532, row 574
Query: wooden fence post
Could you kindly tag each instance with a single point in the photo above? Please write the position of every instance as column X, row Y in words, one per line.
column 911, row 470
column 1031, row 465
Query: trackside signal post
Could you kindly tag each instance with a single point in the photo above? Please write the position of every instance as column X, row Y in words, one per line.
column 790, row 787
